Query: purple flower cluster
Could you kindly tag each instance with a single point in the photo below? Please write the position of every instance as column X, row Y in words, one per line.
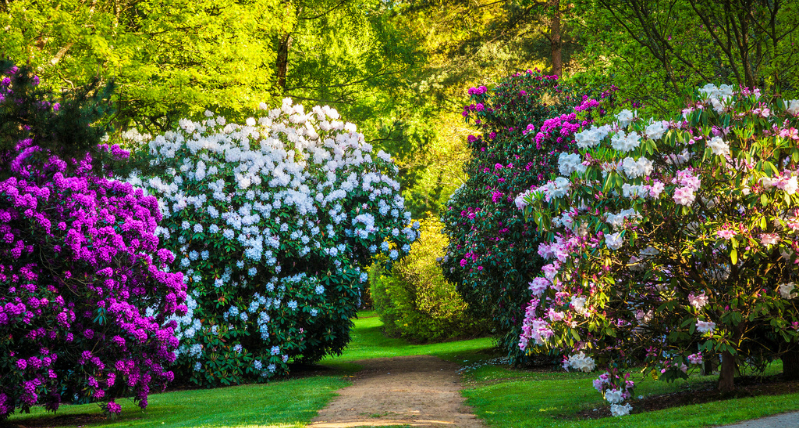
column 85, row 291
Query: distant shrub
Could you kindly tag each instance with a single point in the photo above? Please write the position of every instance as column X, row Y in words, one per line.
column 415, row 301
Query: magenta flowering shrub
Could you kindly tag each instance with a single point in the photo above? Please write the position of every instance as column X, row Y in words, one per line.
column 85, row 291
column 672, row 241
column 526, row 122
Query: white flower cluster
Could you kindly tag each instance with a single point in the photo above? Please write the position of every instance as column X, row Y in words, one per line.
column 581, row 362
column 625, row 117
column 620, row 409
column 719, row 96
column 568, row 163
column 624, row 142
column 616, row 221
column 554, row 189
column 637, row 168
column 718, row 146
column 249, row 207
column 793, row 107
column 591, row 137
column 787, row 290
column 656, row 130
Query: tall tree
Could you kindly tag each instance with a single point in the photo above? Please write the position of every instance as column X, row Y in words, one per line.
column 657, row 49
column 170, row 58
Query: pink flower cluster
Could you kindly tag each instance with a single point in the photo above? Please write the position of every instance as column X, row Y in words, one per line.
column 690, row 184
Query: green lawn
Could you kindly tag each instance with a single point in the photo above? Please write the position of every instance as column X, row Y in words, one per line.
column 552, row 402
column 501, row 396
column 290, row 403
column 517, row 398
column 368, row 342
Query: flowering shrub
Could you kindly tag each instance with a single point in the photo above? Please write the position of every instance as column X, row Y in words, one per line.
column 527, row 120
column 273, row 222
column 415, row 301
column 672, row 242
column 84, row 289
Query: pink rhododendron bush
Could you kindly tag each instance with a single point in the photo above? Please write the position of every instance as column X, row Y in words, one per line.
column 274, row 222
column 671, row 242
column 85, row 292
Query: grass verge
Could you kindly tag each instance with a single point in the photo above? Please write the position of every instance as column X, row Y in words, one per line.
column 503, row 397
column 285, row 403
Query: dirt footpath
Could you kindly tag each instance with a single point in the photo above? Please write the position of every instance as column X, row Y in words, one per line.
column 417, row 391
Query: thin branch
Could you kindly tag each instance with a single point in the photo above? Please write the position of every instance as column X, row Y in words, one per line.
column 323, row 13
column 61, row 53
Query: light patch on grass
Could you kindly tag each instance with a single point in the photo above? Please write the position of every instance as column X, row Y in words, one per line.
column 369, row 342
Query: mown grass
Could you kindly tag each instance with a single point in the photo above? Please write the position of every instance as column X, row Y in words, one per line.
column 283, row 403
column 286, row 403
column 503, row 397
column 549, row 402
column 369, row 342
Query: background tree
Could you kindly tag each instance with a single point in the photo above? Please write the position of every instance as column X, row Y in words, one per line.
column 659, row 50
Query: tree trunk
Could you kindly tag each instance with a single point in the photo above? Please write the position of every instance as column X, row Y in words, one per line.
column 790, row 365
column 727, row 372
column 709, row 366
column 556, row 45
column 283, row 48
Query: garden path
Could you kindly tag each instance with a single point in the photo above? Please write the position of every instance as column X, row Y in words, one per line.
column 417, row 391
column 785, row 420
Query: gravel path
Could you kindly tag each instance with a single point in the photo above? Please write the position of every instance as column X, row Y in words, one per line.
column 785, row 420
column 417, row 391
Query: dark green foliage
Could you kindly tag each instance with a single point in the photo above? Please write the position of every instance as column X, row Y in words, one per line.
column 68, row 125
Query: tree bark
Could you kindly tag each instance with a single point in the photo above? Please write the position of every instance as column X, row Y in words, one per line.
column 283, row 48
column 790, row 365
column 556, row 44
column 709, row 366
column 727, row 372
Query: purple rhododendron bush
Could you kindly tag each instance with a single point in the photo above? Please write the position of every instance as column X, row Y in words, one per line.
column 673, row 242
column 526, row 121
column 85, row 291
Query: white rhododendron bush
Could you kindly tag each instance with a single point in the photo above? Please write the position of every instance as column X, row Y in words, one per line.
column 273, row 223
column 671, row 243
